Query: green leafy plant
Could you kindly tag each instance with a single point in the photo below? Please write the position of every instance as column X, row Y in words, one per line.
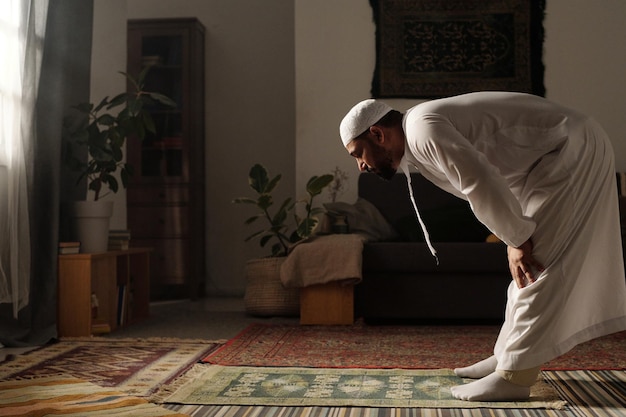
column 103, row 128
column 278, row 230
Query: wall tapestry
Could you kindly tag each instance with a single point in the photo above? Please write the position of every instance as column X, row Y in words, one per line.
column 439, row 48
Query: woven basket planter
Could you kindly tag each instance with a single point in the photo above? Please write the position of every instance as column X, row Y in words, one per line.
column 265, row 294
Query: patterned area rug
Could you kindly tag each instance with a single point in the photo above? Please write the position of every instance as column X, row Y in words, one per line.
column 408, row 347
column 69, row 396
column 587, row 393
column 206, row 384
column 135, row 366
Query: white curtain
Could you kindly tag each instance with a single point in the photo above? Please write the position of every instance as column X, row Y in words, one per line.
column 22, row 29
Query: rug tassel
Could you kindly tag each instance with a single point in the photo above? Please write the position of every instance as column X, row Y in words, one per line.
column 165, row 391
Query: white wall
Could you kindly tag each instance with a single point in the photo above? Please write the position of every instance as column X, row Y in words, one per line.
column 281, row 74
column 335, row 59
column 586, row 64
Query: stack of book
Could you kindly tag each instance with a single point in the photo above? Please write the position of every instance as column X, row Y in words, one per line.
column 119, row 239
column 66, row 248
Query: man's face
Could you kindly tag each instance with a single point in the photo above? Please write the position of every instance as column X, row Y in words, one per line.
column 373, row 157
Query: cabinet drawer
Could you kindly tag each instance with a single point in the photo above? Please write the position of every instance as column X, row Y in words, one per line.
column 158, row 195
column 169, row 263
column 153, row 222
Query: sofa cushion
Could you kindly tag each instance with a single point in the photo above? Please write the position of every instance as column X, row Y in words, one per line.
column 364, row 218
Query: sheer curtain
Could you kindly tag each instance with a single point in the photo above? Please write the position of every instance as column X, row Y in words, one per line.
column 22, row 28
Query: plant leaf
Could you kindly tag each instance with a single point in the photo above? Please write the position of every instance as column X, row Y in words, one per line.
column 265, row 239
column 316, row 184
column 269, row 187
column 245, row 200
column 257, row 178
column 265, row 201
column 117, row 100
column 106, row 120
column 136, row 83
column 252, row 219
column 160, row 98
column 279, row 250
column 306, row 227
column 84, row 107
column 148, row 122
column 280, row 217
column 102, row 103
column 112, row 182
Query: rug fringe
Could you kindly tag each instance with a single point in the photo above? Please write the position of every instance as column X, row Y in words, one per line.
column 165, row 391
column 543, row 390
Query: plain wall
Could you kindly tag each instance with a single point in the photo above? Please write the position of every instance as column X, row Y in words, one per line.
column 282, row 73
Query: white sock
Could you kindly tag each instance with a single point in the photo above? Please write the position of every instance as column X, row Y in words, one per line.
column 478, row 370
column 491, row 388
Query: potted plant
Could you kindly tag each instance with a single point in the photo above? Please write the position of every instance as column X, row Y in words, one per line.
column 102, row 130
column 265, row 294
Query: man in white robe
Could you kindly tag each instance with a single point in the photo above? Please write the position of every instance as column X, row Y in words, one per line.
column 541, row 177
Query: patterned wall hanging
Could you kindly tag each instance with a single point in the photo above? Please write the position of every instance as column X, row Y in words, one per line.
column 439, row 48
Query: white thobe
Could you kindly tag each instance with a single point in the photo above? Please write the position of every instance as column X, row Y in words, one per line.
column 533, row 169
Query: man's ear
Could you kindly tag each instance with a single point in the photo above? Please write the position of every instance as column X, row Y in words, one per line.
column 377, row 133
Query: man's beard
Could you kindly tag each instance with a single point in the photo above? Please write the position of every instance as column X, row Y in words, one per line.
column 384, row 167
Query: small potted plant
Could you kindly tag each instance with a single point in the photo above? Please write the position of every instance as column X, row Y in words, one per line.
column 102, row 130
column 265, row 294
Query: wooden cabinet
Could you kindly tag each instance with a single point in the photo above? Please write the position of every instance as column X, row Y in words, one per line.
column 166, row 192
column 118, row 280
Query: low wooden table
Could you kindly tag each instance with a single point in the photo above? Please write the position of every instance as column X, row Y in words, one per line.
column 327, row 304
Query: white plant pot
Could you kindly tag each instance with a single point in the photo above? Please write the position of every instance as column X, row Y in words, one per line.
column 89, row 222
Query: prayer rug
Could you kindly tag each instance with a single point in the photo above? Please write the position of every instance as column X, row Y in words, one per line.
column 67, row 396
column 407, row 347
column 336, row 387
column 587, row 393
column 134, row 366
column 439, row 48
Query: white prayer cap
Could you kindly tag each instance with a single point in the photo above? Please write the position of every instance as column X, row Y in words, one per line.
column 360, row 118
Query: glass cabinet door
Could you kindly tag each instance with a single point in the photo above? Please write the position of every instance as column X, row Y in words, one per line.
column 165, row 196
column 162, row 152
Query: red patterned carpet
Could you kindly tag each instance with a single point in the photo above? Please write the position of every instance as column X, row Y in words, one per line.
column 408, row 347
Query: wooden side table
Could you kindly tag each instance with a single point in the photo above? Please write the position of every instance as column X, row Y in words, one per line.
column 328, row 304
column 119, row 280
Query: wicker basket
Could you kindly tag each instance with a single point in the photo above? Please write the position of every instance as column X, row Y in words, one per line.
column 265, row 294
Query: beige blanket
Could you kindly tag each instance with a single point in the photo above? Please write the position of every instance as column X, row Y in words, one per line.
column 323, row 259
